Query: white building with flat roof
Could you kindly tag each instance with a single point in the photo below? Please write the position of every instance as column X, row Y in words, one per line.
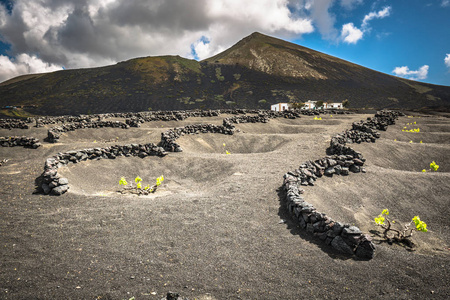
column 326, row 105
column 279, row 107
column 309, row 105
column 335, row 105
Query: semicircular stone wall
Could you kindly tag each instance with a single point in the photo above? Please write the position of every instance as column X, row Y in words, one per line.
column 343, row 159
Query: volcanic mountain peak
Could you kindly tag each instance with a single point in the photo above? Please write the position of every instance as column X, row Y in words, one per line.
column 273, row 56
column 269, row 55
column 257, row 71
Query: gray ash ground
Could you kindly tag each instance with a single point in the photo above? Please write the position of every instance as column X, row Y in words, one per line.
column 214, row 229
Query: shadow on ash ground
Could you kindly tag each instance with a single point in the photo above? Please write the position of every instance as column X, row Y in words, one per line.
column 213, row 230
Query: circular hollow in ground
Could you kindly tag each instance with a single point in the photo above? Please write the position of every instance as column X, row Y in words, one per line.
column 404, row 156
column 238, row 143
column 101, row 177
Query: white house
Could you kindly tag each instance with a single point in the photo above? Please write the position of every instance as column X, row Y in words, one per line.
column 326, row 105
column 309, row 104
column 279, row 107
column 335, row 105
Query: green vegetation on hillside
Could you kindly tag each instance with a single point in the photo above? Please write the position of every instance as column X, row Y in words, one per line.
column 258, row 67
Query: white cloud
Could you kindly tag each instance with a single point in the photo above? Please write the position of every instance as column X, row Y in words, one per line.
column 385, row 12
column 447, row 60
column 92, row 33
column 445, row 3
column 201, row 49
column 23, row 64
column 322, row 18
column 351, row 34
column 268, row 15
column 405, row 72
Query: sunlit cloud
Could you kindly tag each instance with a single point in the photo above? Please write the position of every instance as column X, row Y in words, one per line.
column 351, row 34
column 405, row 72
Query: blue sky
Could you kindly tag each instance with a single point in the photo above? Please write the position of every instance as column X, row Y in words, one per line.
column 407, row 38
column 416, row 33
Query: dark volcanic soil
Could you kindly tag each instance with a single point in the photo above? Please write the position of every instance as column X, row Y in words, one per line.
column 214, row 229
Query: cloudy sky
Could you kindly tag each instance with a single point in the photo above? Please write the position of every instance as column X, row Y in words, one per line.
column 407, row 38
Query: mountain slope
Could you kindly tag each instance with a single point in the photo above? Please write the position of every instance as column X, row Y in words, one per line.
column 255, row 72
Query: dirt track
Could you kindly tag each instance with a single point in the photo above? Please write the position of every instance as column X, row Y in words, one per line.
column 213, row 230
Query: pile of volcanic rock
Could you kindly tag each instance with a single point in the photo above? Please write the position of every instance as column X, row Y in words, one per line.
column 363, row 131
column 316, row 112
column 380, row 121
column 173, row 296
column 168, row 138
column 15, row 123
column 310, row 171
column 46, row 120
column 342, row 237
column 288, row 114
column 54, row 133
column 172, row 115
column 260, row 118
column 13, row 141
column 135, row 119
column 53, row 184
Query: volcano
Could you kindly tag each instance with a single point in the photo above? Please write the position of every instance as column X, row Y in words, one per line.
column 257, row 71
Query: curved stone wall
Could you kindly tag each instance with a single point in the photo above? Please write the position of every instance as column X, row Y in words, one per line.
column 13, row 141
column 15, row 123
column 168, row 138
column 51, row 183
column 54, row 133
column 342, row 237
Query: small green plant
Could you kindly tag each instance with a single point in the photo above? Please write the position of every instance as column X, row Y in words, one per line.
column 226, row 151
column 433, row 167
column 411, row 130
column 138, row 190
column 159, row 180
column 138, row 182
column 123, row 181
column 403, row 234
